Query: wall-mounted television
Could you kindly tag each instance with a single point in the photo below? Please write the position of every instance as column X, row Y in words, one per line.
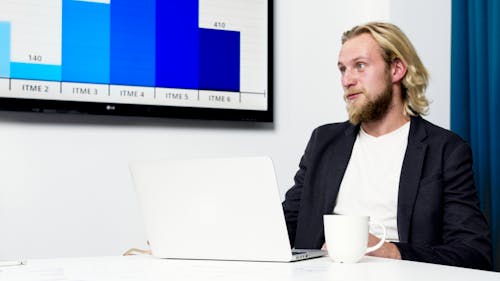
column 203, row 59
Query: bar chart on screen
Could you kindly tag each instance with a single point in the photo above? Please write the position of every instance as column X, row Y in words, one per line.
column 191, row 53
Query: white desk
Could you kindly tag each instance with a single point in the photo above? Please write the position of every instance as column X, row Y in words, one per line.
column 144, row 268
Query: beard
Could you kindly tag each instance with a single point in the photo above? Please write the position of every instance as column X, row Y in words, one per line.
column 371, row 110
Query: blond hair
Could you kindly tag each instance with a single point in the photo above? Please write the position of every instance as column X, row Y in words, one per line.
column 395, row 45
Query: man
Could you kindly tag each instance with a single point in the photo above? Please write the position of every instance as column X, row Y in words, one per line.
column 389, row 163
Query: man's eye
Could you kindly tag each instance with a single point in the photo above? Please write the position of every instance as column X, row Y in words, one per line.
column 360, row 65
column 342, row 69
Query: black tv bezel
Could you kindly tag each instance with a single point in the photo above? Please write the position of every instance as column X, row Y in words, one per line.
column 162, row 111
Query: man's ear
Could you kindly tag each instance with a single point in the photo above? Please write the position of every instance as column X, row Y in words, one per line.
column 398, row 70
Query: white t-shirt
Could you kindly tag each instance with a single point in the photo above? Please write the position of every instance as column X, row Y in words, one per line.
column 371, row 181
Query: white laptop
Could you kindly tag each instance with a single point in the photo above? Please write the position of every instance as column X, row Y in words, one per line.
column 220, row 209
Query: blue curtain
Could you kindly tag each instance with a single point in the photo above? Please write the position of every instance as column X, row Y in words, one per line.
column 475, row 97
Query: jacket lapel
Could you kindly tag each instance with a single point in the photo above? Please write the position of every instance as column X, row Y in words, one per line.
column 410, row 176
column 338, row 158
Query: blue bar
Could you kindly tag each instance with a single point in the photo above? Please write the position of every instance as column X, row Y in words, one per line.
column 177, row 44
column 133, row 35
column 5, row 49
column 219, row 60
column 34, row 71
column 85, row 42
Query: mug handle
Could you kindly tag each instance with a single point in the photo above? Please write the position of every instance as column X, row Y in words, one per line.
column 380, row 243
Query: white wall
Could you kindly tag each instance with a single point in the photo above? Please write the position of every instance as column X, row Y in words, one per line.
column 428, row 24
column 65, row 188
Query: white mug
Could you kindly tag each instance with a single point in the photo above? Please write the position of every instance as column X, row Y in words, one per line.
column 346, row 237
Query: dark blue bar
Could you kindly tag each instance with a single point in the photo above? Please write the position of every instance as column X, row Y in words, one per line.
column 219, row 60
column 177, row 44
column 133, row 47
column 85, row 42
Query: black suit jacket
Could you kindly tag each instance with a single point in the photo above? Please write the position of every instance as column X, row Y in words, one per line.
column 438, row 214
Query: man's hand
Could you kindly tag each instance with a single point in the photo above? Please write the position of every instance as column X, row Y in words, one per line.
column 388, row 250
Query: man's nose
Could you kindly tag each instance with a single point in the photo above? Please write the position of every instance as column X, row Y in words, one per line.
column 348, row 79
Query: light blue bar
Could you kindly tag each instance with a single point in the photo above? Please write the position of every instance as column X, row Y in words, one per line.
column 33, row 71
column 5, row 49
column 86, row 42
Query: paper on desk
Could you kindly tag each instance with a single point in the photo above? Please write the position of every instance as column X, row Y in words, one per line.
column 21, row 274
column 60, row 274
